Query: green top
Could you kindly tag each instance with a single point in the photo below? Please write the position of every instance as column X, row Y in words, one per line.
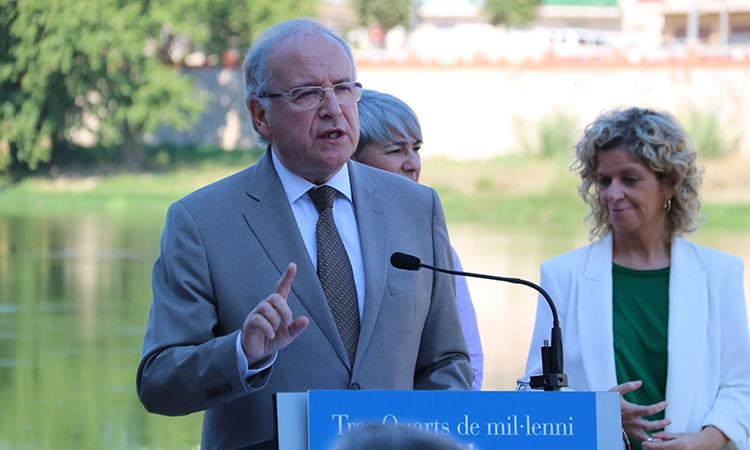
column 640, row 318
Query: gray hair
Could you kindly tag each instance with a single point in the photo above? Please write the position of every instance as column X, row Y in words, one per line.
column 381, row 117
column 658, row 141
column 257, row 74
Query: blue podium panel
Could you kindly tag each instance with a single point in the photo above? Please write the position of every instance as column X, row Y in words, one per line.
column 478, row 420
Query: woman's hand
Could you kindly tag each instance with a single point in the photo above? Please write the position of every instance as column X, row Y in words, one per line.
column 633, row 423
column 710, row 438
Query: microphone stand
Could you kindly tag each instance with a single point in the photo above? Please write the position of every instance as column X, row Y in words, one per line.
column 553, row 377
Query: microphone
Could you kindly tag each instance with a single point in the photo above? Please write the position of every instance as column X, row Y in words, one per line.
column 553, row 377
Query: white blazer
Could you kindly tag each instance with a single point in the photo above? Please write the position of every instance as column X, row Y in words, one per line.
column 708, row 375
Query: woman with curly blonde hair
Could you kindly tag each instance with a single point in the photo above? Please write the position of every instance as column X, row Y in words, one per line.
column 642, row 309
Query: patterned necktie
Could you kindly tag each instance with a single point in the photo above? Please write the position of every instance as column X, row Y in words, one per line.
column 335, row 271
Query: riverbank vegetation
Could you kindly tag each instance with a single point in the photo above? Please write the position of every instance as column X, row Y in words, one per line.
column 515, row 190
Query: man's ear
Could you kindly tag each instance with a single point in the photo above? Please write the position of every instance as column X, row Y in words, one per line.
column 260, row 117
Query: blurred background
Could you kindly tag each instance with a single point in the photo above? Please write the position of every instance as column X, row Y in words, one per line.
column 110, row 110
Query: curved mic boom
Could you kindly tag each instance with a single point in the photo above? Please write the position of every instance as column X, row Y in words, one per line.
column 553, row 377
column 408, row 262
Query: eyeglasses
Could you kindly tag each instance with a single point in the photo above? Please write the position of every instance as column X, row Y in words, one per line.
column 309, row 97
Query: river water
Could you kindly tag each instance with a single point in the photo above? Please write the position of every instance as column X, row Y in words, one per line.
column 74, row 299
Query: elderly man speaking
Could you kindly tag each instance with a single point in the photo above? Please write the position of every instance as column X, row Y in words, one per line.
column 276, row 278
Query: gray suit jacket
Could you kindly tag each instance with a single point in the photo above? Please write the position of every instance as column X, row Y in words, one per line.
column 224, row 248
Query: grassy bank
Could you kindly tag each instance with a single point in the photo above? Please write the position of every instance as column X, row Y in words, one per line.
column 523, row 190
column 510, row 191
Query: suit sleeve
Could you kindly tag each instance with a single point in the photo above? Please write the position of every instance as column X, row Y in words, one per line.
column 731, row 410
column 443, row 361
column 184, row 367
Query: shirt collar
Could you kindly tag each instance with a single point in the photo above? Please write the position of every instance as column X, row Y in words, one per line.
column 295, row 186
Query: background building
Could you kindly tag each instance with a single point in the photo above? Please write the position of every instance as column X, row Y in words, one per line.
column 482, row 90
column 456, row 31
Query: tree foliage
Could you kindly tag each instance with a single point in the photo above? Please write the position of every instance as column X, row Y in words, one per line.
column 510, row 12
column 236, row 23
column 385, row 13
column 109, row 67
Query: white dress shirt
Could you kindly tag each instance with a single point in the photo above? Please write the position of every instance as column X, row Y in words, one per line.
column 306, row 215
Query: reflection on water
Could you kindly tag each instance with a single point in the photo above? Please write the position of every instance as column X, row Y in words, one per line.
column 74, row 298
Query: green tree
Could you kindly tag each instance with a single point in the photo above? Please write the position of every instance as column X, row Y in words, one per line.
column 84, row 65
column 236, row 23
column 510, row 12
column 107, row 67
column 385, row 13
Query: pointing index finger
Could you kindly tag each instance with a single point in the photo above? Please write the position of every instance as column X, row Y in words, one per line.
column 285, row 283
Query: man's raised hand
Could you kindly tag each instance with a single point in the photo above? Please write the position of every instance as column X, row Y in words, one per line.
column 270, row 326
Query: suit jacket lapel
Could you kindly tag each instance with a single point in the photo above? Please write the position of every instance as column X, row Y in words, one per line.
column 595, row 317
column 371, row 213
column 273, row 223
column 688, row 313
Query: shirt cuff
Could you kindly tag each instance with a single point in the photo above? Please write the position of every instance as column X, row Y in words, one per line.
column 258, row 367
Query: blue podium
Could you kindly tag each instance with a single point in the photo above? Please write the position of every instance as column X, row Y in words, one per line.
column 487, row 420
